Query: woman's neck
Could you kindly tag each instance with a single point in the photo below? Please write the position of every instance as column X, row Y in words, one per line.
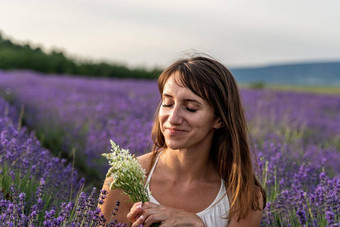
column 188, row 165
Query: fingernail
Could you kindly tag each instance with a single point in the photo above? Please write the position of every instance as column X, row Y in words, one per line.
column 141, row 205
column 141, row 218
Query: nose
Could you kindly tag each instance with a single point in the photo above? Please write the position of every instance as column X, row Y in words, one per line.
column 175, row 117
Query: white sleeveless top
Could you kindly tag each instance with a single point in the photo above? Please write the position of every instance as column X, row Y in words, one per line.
column 212, row 216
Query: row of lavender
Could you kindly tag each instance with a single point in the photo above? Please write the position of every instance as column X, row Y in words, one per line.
column 296, row 135
column 85, row 114
column 36, row 188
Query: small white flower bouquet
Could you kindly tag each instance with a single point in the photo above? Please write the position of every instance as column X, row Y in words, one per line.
column 127, row 174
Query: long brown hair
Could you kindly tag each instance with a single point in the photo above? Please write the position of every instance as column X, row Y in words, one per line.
column 230, row 149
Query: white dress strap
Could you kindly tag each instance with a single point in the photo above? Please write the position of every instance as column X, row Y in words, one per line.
column 152, row 170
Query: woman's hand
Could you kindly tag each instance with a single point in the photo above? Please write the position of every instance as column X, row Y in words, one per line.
column 135, row 214
column 149, row 213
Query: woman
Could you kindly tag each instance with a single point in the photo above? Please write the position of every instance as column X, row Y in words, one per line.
column 200, row 169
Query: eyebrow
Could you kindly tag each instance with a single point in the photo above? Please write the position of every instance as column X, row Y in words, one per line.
column 185, row 100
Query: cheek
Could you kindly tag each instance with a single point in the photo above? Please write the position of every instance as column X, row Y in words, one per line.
column 161, row 120
column 162, row 116
column 164, row 110
column 161, row 113
column 161, row 126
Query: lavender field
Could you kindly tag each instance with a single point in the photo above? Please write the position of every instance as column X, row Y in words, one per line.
column 296, row 137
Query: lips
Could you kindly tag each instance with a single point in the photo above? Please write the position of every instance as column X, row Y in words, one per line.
column 174, row 131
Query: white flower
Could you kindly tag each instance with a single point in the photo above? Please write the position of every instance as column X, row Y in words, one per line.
column 127, row 173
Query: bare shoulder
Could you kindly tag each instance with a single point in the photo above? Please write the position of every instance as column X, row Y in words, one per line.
column 108, row 208
column 145, row 160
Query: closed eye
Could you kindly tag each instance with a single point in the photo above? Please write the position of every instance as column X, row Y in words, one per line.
column 191, row 110
column 187, row 108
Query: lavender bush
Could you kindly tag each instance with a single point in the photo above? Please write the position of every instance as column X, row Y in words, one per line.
column 296, row 135
column 34, row 185
column 24, row 160
column 85, row 114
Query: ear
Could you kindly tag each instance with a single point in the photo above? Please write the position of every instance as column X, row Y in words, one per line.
column 218, row 123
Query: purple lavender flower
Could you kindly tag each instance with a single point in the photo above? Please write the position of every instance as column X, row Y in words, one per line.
column 97, row 218
column 32, row 217
column 65, row 210
column 80, row 206
column 10, row 213
column 90, row 199
column 48, row 218
column 22, row 220
column 81, row 183
column 12, row 174
column 302, row 217
column 102, row 196
column 21, row 205
column 40, row 204
column 330, row 217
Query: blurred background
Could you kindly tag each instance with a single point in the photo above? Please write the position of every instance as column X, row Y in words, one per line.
column 273, row 42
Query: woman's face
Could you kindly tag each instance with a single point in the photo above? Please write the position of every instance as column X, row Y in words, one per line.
column 186, row 120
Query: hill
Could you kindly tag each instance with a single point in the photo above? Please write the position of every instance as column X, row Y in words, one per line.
column 302, row 74
column 24, row 56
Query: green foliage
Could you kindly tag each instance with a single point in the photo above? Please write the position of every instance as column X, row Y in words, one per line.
column 23, row 181
column 20, row 181
column 24, row 56
column 257, row 85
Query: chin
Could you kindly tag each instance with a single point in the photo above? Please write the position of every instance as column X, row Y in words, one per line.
column 174, row 146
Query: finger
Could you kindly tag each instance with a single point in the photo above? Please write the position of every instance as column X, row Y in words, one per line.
column 138, row 222
column 135, row 211
column 149, row 209
column 151, row 219
column 148, row 205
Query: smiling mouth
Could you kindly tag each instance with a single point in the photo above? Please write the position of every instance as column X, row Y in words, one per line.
column 174, row 131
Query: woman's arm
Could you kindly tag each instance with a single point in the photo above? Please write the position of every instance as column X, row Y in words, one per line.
column 107, row 208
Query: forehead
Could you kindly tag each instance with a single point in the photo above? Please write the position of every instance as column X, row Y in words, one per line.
column 174, row 78
column 174, row 84
column 173, row 87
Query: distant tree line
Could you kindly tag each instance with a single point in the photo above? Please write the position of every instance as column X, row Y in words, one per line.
column 24, row 56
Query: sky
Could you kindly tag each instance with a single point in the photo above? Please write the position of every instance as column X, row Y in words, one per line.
column 153, row 33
